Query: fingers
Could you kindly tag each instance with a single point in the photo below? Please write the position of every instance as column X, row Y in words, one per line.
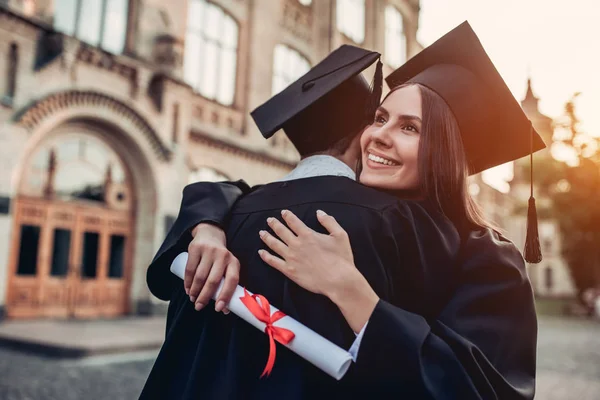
column 330, row 224
column 273, row 243
column 232, row 278
column 211, row 284
column 295, row 224
column 273, row 261
column 281, row 230
column 191, row 266
column 200, row 277
column 209, row 241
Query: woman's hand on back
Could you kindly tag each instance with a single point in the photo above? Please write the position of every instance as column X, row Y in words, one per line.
column 320, row 263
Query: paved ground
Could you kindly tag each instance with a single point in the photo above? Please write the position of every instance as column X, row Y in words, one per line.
column 568, row 360
column 28, row 377
column 569, row 368
column 74, row 338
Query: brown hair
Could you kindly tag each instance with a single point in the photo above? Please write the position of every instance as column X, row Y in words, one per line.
column 443, row 166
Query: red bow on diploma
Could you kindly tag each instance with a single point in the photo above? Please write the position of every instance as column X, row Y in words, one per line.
column 262, row 311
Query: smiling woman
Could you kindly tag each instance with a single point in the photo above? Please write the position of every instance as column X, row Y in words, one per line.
column 414, row 147
column 390, row 145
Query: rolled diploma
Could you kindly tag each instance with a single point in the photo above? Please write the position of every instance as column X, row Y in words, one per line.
column 314, row 348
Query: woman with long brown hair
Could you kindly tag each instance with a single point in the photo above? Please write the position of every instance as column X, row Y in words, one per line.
column 414, row 149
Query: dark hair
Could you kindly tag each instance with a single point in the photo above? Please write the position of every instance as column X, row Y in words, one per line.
column 443, row 167
column 331, row 121
column 342, row 145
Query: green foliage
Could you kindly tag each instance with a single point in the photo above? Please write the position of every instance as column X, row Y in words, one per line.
column 575, row 195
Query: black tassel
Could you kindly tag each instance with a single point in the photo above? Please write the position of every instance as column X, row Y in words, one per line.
column 533, row 251
column 376, row 90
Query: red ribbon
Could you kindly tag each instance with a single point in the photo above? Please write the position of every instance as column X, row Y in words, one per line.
column 262, row 311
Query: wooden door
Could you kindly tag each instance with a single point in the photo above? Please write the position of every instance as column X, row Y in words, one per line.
column 69, row 260
column 90, row 258
column 26, row 259
column 57, row 268
column 118, row 237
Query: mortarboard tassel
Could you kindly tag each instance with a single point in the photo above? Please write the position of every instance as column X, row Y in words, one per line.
column 376, row 90
column 533, row 251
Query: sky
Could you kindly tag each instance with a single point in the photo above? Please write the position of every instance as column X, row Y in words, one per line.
column 554, row 42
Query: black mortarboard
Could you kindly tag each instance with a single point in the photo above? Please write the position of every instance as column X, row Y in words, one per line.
column 494, row 128
column 331, row 101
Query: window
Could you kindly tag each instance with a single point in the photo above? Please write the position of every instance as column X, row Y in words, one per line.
column 80, row 168
column 28, row 250
column 89, row 258
column 351, row 19
column 547, row 231
column 97, row 22
column 547, row 245
column 29, row 7
column 549, row 279
column 395, row 43
column 117, row 256
column 11, row 73
column 305, row 2
column 210, row 53
column 60, row 252
column 288, row 65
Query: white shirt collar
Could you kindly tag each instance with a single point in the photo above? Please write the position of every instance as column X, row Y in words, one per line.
column 319, row 165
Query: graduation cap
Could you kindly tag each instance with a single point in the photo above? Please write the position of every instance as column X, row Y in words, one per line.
column 494, row 128
column 330, row 102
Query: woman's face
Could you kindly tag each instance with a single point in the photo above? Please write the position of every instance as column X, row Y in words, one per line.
column 390, row 146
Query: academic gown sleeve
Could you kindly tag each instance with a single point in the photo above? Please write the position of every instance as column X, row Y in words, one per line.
column 481, row 345
column 202, row 202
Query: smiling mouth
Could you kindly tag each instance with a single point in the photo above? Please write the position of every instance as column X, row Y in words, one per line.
column 381, row 160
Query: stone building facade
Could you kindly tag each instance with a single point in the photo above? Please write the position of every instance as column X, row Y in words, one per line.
column 108, row 108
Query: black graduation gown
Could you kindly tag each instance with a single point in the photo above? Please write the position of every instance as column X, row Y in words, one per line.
column 455, row 321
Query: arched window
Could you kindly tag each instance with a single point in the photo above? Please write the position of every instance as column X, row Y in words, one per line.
column 206, row 174
column 77, row 167
column 395, row 41
column 350, row 19
column 97, row 22
column 210, row 54
column 288, row 65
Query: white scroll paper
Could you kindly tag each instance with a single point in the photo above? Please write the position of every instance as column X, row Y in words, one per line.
column 325, row 355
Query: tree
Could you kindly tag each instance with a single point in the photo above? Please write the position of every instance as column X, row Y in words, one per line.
column 573, row 185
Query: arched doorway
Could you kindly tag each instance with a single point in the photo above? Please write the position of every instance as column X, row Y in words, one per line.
column 73, row 231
